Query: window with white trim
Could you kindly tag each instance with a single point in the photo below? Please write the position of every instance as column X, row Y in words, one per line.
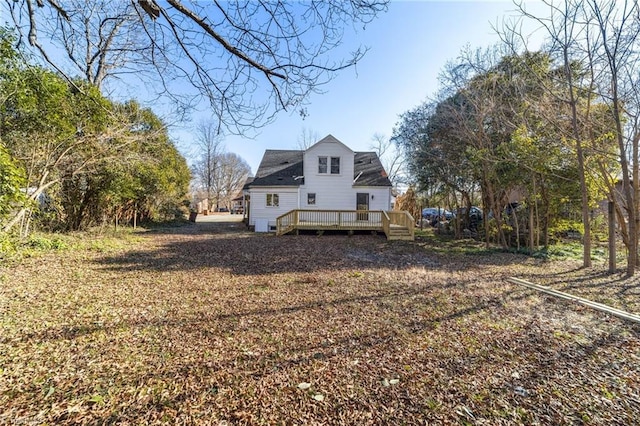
column 335, row 165
column 311, row 199
column 329, row 165
column 273, row 200
column 322, row 164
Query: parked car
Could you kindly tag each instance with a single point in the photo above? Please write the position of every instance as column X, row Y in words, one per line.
column 474, row 212
column 435, row 215
column 431, row 213
column 472, row 220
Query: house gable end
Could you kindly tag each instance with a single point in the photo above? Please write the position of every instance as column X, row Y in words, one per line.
column 329, row 139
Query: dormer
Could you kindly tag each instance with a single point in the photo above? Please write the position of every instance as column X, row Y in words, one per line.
column 328, row 157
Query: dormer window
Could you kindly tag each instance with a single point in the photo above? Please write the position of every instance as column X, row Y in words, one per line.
column 322, row 165
column 329, row 165
column 335, row 165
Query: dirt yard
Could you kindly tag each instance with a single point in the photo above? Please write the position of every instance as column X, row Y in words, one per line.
column 210, row 324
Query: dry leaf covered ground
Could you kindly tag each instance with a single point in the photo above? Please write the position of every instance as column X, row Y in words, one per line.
column 210, row 324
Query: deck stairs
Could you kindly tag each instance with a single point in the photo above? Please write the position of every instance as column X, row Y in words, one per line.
column 399, row 233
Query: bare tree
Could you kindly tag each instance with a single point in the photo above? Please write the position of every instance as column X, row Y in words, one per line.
column 100, row 39
column 307, row 137
column 598, row 40
column 564, row 29
column 231, row 174
column 248, row 59
column 618, row 32
column 392, row 159
column 211, row 146
column 218, row 173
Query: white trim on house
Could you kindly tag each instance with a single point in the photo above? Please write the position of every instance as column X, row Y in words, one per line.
column 293, row 175
column 287, row 201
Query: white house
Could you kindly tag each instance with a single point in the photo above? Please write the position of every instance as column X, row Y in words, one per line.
column 326, row 176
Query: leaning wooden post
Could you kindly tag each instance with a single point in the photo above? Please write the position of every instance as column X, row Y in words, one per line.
column 612, row 238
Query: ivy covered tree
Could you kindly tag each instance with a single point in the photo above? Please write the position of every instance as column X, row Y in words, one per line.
column 12, row 185
column 596, row 42
column 149, row 180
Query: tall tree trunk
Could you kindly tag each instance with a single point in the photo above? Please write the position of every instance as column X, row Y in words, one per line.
column 611, row 216
column 516, row 224
column 532, row 239
column 586, row 219
column 636, row 200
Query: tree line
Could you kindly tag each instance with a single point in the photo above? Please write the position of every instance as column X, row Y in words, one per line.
column 247, row 60
column 70, row 158
column 560, row 125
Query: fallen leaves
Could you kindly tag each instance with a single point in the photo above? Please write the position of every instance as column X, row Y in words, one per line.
column 386, row 382
column 192, row 327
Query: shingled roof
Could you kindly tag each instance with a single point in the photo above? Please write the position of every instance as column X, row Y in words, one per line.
column 368, row 170
column 285, row 168
column 279, row 167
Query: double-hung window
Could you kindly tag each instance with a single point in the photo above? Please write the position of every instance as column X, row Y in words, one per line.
column 329, row 165
column 335, row 165
column 273, row 200
column 322, row 164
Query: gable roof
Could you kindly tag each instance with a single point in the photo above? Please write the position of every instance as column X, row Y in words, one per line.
column 329, row 139
column 285, row 168
column 279, row 167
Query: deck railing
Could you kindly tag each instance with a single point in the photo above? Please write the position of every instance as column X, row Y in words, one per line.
column 391, row 222
column 386, row 223
column 286, row 222
column 329, row 219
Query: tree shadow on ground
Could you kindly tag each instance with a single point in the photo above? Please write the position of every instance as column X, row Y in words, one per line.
column 229, row 350
column 541, row 359
column 226, row 322
column 231, row 247
column 595, row 284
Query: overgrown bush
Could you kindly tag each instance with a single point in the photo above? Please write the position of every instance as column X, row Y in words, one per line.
column 46, row 242
column 566, row 229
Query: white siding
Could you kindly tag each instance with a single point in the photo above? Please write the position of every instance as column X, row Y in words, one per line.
column 333, row 192
column 379, row 196
column 288, row 200
column 336, row 192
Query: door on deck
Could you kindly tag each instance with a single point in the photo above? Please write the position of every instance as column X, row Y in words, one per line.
column 362, row 203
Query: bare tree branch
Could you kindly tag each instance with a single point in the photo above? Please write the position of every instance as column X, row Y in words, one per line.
column 250, row 60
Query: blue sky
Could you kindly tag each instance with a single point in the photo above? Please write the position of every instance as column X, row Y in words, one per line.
column 409, row 45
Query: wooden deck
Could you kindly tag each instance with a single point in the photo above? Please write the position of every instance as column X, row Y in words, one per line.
column 395, row 225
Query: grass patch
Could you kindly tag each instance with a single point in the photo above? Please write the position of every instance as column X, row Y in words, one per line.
column 37, row 244
column 446, row 243
column 569, row 251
